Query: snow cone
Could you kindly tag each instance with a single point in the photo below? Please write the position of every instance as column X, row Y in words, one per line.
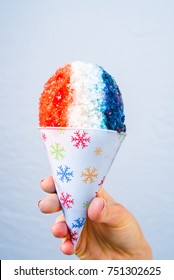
column 81, row 118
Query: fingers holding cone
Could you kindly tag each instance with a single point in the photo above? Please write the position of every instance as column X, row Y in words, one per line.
column 60, row 230
column 104, row 209
column 51, row 204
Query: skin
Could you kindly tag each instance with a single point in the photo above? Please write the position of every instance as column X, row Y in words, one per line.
column 110, row 232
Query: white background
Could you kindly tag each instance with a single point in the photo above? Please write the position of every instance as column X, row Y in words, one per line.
column 133, row 41
column 95, row 269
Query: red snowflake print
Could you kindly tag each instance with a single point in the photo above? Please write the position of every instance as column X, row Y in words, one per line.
column 73, row 235
column 66, row 201
column 101, row 182
column 80, row 139
column 44, row 137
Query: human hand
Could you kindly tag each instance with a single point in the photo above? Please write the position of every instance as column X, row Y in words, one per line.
column 110, row 231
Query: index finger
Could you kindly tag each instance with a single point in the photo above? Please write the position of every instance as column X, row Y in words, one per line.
column 48, row 185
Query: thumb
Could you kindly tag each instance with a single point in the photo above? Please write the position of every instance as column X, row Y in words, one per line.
column 103, row 209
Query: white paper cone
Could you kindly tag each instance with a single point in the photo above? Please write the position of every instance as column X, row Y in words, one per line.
column 80, row 160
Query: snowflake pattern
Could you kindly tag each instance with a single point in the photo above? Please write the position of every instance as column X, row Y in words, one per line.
column 101, row 182
column 89, row 175
column 61, row 130
column 78, row 223
column 98, row 151
column 64, row 174
column 44, row 137
column 73, row 235
column 66, row 148
column 86, row 204
column 80, row 140
column 66, row 200
column 57, row 151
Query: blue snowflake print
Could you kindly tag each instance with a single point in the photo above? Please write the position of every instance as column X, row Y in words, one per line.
column 64, row 174
column 78, row 223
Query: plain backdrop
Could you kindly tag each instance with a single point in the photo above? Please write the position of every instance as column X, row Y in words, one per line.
column 133, row 40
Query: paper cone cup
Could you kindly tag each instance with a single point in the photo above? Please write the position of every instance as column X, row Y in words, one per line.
column 80, row 160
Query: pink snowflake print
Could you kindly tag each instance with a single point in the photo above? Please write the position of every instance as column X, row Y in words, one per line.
column 73, row 235
column 101, row 182
column 80, row 139
column 44, row 137
column 66, row 201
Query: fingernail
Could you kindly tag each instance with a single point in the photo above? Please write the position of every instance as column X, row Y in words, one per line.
column 38, row 204
column 51, row 227
column 42, row 180
column 104, row 202
column 98, row 203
